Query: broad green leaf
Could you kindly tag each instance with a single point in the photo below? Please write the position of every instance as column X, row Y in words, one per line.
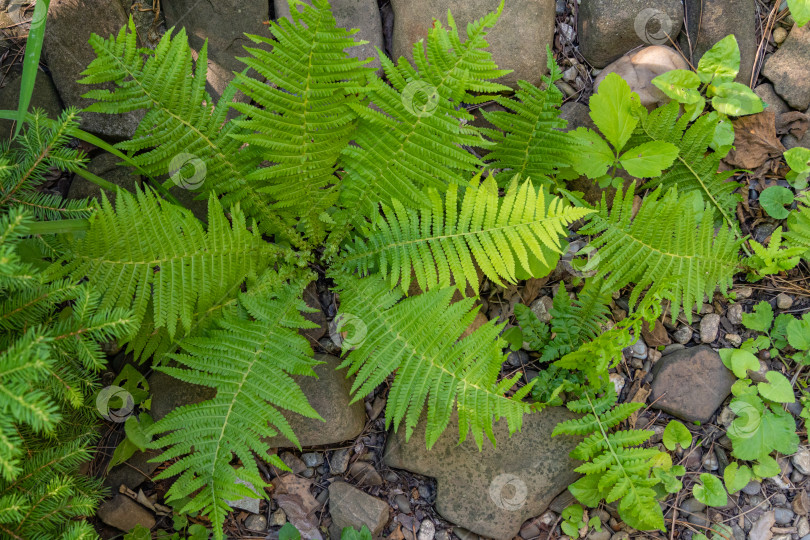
column 570, row 529
column 758, row 430
column 131, row 380
column 676, row 433
column 649, row 159
column 798, row 159
column 139, row 532
column 761, row 319
column 289, row 532
column 612, row 110
column 594, row 157
column 777, row 388
column 693, row 110
column 735, row 99
column 680, row 85
column 123, row 452
column 137, row 430
column 711, row 492
column 514, row 337
column 766, row 466
column 573, row 512
column 721, row 63
column 586, row 490
column 798, row 333
column 800, row 9
column 200, row 532
column 739, row 361
column 736, row 476
column 669, row 478
column 774, row 199
column 779, row 332
column 723, row 139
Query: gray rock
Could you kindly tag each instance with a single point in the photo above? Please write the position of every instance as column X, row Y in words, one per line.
column 699, row 518
column 609, row 28
column 542, row 307
column 787, row 68
column 361, row 14
column 682, row 335
column 639, row 349
column 719, row 19
column 312, row 459
column 767, row 94
column 255, row 522
column 169, row 393
column 339, row 461
column 350, row 507
column 364, row 474
column 692, row 505
column 329, row 395
column 133, row 472
column 403, row 503
column 44, row 97
column 223, row 24
column 251, row 504
column 125, row 514
column 734, row 314
column 491, row 492
column 518, row 42
column 296, row 465
column 801, row 460
column 803, row 526
column 691, row 383
column 783, row 516
column 762, row 528
column 318, row 317
column 107, row 167
column 68, row 53
column 599, row 535
column 784, row 301
column 752, row 488
column 709, row 325
column 427, row 530
column 576, row 114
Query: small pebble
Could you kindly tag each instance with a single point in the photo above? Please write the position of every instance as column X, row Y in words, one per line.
column 256, row 522
column 618, row 382
column 443, row 534
column 743, row 292
column 570, row 74
column 309, row 472
column 403, row 504
column 752, row 488
column 692, row 505
column 734, row 314
column 278, row 518
column 541, row 308
column 784, row 301
column 803, row 526
column 734, row 340
column 709, row 325
column 783, row 516
column 598, row 535
column 710, row 462
column 699, row 518
column 801, row 460
column 639, row 349
column 426, row 531
column 340, row 461
column 779, row 35
column 312, row 459
column 682, row 335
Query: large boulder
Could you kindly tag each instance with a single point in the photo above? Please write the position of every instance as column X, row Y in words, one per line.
column 787, row 68
column 361, row 14
column 607, row 29
column 224, row 24
column 493, row 491
column 67, row 51
column 518, row 42
column 691, row 383
column 709, row 21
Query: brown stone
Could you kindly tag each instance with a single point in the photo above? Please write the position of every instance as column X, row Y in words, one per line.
column 655, row 337
column 125, row 514
column 691, row 383
column 350, row 507
column 493, row 491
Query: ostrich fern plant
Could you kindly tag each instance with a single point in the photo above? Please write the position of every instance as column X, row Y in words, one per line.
column 371, row 180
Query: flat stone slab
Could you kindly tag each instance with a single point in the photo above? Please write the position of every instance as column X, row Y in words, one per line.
column 691, row 383
column 492, row 492
column 350, row 507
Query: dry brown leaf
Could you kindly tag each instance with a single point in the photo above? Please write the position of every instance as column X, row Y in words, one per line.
column 755, row 141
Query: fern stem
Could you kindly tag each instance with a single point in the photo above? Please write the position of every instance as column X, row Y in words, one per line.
column 58, row 227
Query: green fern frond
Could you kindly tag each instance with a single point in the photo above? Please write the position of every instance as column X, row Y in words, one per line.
column 412, row 135
column 40, row 146
column 146, row 253
column 615, row 468
column 672, row 236
column 446, row 240
column 798, row 224
column 249, row 358
column 304, row 120
column 529, row 141
column 696, row 168
column 416, row 339
column 181, row 130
